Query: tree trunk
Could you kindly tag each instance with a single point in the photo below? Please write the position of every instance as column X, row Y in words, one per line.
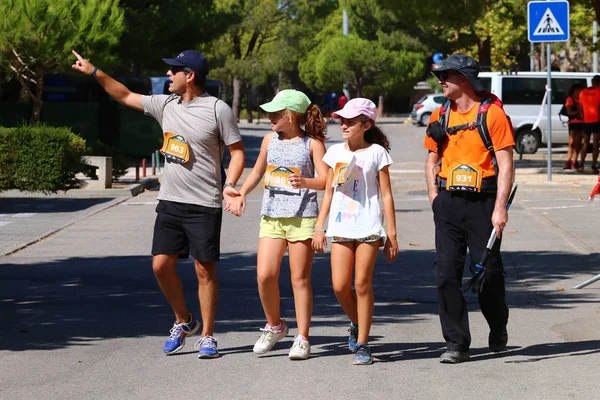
column 358, row 85
column 249, row 101
column 37, row 102
column 380, row 106
column 485, row 55
column 235, row 105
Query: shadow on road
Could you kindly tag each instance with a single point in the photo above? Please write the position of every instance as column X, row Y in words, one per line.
column 78, row 301
column 10, row 205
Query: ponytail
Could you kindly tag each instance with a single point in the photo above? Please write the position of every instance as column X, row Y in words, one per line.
column 375, row 135
column 315, row 124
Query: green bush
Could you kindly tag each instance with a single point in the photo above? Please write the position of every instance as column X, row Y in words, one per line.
column 7, row 158
column 39, row 158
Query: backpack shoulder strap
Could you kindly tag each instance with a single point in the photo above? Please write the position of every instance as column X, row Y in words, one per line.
column 445, row 114
column 482, row 128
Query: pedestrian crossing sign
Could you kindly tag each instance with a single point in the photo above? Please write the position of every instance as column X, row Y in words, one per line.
column 548, row 21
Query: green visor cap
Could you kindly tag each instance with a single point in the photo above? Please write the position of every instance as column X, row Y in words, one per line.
column 288, row 99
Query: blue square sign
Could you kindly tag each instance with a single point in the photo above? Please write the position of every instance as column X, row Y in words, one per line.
column 548, row 21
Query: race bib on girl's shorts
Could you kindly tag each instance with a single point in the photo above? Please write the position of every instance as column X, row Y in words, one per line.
column 278, row 177
column 464, row 177
column 175, row 148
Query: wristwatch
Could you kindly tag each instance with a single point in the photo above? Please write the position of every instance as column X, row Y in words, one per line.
column 229, row 184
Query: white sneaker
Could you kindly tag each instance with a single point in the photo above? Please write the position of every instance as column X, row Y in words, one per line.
column 300, row 349
column 269, row 338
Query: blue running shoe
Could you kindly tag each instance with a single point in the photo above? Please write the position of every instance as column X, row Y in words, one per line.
column 363, row 355
column 207, row 346
column 353, row 337
column 179, row 332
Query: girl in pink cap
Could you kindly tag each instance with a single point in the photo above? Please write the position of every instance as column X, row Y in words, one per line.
column 357, row 179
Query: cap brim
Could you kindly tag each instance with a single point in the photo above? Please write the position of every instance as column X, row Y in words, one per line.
column 442, row 68
column 272, row 106
column 345, row 114
column 173, row 61
column 475, row 82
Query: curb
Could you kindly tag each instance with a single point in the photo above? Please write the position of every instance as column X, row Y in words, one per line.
column 19, row 247
column 129, row 191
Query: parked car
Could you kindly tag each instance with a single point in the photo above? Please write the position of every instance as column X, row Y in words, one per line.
column 422, row 109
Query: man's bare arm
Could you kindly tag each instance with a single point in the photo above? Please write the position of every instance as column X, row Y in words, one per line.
column 115, row 89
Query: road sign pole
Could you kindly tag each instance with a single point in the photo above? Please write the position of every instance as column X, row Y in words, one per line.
column 549, row 109
column 548, row 22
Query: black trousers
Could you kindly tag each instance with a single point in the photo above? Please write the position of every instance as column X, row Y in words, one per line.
column 463, row 220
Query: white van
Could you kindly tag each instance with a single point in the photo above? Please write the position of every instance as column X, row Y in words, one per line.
column 522, row 95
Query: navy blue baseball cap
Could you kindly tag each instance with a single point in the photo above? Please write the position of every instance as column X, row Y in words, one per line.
column 192, row 59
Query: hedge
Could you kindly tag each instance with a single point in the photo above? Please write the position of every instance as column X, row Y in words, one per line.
column 39, row 158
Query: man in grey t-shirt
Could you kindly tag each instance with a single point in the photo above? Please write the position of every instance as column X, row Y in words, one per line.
column 196, row 126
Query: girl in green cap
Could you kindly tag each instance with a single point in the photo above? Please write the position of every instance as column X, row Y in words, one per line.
column 289, row 161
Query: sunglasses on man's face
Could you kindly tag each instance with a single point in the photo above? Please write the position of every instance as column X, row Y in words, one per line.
column 445, row 75
column 176, row 69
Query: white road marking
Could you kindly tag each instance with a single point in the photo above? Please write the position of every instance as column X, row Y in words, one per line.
column 3, row 223
column 557, row 207
column 23, row 215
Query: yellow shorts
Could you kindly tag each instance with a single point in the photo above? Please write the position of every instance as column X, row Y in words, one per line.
column 291, row 229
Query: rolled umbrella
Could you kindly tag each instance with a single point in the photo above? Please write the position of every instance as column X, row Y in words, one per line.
column 475, row 284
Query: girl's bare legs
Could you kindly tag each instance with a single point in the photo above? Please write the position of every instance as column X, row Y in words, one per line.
column 270, row 254
column 570, row 147
column 577, row 143
column 366, row 255
column 301, row 257
column 342, row 263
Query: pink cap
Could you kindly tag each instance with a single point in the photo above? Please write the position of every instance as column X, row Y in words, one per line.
column 356, row 107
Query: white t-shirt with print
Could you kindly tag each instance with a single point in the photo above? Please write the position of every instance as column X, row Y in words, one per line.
column 355, row 210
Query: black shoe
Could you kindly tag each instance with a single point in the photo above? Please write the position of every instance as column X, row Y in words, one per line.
column 497, row 340
column 454, row 357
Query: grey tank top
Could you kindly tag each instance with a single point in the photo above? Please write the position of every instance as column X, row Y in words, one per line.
column 288, row 203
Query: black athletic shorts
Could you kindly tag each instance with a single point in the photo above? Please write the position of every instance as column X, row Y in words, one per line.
column 588, row 129
column 576, row 126
column 187, row 229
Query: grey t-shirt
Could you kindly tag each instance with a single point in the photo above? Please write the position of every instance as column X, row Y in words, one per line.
column 199, row 180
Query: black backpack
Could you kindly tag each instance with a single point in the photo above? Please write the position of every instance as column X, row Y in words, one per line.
column 438, row 133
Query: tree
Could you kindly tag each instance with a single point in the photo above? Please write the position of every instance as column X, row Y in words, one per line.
column 369, row 67
column 164, row 28
column 237, row 52
column 37, row 36
column 266, row 42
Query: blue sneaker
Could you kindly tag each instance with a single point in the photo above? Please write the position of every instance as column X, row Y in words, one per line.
column 179, row 332
column 363, row 355
column 353, row 337
column 207, row 346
